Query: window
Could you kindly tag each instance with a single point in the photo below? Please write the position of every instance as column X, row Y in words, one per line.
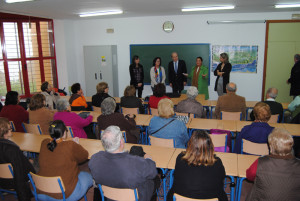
column 27, row 54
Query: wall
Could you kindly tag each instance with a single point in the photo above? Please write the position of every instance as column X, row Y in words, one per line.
column 148, row 30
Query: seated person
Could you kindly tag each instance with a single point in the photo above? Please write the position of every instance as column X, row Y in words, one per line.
column 159, row 92
column 14, row 112
column 199, row 174
column 294, row 106
column 109, row 118
column 11, row 153
column 129, row 100
column 72, row 119
column 61, row 158
column 167, row 126
column 39, row 114
column 275, row 107
column 231, row 102
column 102, row 93
column 50, row 95
column 190, row 105
column 259, row 130
column 116, row 168
column 77, row 99
column 276, row 176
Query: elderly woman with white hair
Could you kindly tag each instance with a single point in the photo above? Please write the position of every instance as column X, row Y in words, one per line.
column 167, row 126
column 276, row 176
column 72, row 119
column 111, row 118
column 190, row 105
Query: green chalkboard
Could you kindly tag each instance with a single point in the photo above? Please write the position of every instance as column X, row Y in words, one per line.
column 186, row 52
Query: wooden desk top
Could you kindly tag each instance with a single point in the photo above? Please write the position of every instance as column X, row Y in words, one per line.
column 244, row 162
column 229, row 161
column 208, row 124
column 32, row 143
column 294, row 129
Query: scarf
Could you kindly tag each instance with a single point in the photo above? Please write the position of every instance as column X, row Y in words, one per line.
column 158, row 78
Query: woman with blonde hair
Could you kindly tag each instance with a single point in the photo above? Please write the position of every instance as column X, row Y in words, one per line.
column 276, row 176
column 102, row 93
column 199, row 174
column 167, row 126
column 259, row 130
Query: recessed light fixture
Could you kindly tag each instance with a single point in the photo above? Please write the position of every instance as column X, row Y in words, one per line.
column 287, row 5
column 109, row 12
column 16, row 1
column 207, row 8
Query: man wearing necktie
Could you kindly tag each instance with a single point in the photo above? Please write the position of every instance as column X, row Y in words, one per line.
column 176, row 68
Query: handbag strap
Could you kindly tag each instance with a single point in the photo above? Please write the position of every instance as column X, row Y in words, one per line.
column 163, row 126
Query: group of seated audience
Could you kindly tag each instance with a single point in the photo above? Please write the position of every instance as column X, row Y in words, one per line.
column 199, row 173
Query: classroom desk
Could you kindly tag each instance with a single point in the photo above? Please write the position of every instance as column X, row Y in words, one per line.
column 207, row 124
column 244, row 162
column 294, row 129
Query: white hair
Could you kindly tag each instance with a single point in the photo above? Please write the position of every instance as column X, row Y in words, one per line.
column 192, row 92
column 62, row 105
column 111, row 138
column 108, row 106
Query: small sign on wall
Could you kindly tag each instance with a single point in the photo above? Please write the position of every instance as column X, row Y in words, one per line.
column 103, row 61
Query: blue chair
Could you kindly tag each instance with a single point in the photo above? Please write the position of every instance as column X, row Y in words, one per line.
column 70, row 133
column 259, row 149
column 12, row 125
column 177, row 197
column 161, row 142
column 120, row 194
column 153, row 111
column 47, row 184
column 125, row 110
column 6, row 172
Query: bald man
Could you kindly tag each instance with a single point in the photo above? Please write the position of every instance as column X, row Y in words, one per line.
column 176, row 68
column 231, row 102
column 276, row 108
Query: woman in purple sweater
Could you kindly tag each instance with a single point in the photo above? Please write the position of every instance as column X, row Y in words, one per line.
column 72, row 119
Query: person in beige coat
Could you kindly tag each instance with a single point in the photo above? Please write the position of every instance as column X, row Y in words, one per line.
column 39, row 114
column 231, row 102
column 50, row 95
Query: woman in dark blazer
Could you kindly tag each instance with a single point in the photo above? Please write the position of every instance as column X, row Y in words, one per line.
column 199, row 174
column 137, row 75
column 223, row 74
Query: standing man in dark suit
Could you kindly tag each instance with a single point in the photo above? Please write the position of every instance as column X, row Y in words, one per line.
column 294, row 78
column 176, row 69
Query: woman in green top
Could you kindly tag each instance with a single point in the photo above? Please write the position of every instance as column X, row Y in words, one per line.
column 199, row 75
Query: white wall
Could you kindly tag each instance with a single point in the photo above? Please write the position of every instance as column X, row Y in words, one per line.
column 148, row 30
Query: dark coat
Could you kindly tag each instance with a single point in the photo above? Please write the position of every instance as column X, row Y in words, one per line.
column 132, row 102
column 11, row 153
column 122, row 170
column 226, row 76
column 295, row 80
column 199, row 182
column 98, row 98
column 178, row 77
column 133, row 81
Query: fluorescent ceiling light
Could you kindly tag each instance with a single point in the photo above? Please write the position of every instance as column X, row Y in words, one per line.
column 207, row 8
column 287, row 5
column 110, row 12
column 16, row 1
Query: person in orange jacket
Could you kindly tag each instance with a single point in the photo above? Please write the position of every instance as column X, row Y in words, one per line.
column 77, row 99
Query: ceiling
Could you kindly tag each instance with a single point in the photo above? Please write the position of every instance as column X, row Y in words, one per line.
column 69, row 9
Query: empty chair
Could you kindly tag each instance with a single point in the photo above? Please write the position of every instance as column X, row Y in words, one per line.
column 6, row 172
column 177, row 197
column 274, row 118
column 12, row 126
column 161, row 142
column 120, row 194
column 70, row 132
column 126, row 110
column 254, row 148
column 231, row 115
column 219, row 141
column 96, row 109
column 153, row 111
column 32, row 128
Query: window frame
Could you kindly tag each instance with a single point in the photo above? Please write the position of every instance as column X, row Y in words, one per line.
column 19, row 19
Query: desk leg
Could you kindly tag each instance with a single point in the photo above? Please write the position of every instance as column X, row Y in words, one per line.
column 211, row 111
column 164, row 172
column 232, row 187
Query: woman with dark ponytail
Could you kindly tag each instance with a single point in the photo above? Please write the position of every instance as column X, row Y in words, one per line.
column 60, row 157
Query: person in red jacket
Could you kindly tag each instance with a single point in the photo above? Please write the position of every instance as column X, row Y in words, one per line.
column 159, row 92
column 14, row 112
